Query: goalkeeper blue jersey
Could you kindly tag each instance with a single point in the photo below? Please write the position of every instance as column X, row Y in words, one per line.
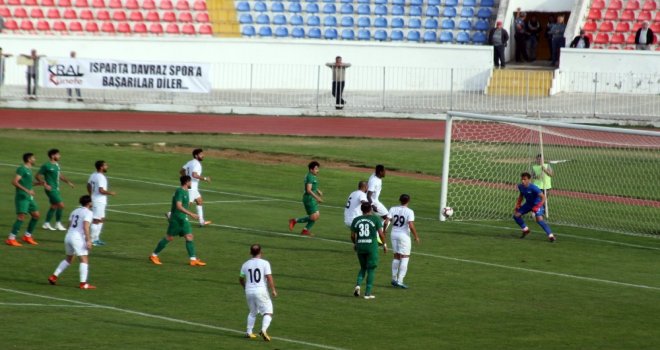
column 531, row 193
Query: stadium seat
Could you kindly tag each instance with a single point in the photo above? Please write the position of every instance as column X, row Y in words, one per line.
column 185, row 17
column 92, row 27
column 363, row 1
column 182, row 5
column 636, row 26
column 260, row 6
column 202, row 17
column 416, row 2
column 75, row 26
column 48, row 3
column 346, row 9
column 485, row 12
column 98, row 4
column 166, row 5
column 469, row 3
column 606, row 27
column 399, row 2
column 313, row 21
column 109, row 28
column 86, row 15
column 265, row 31
column 481, row 25
column 6, row 13
column 277, row 7
column 432, row 11
column 430, row 36
column 602, row 38
column 649, row 5
column 120, row 16
column 644, row 16
column 279, row 20
column 431, row 23
column 657, row 17
column 21, row 13
column 281, row 32
column 124, row 28
column 81, row 3
column 590, row 26
column 630, row 39
column 148, row 5
column 312, row 8
column 595, row 15
column 330, row 21
column 11, row 24
column 446, row 37
column 330, row 33
column 415, row 23
column 329, row 9
column 611, row 15
column 598, row 4
column 103, row 15
column 380, row 10
column 450, row 24
column 622, row 27
column 397, row 22
column 364, row 34
column 618, row 39
column 487, row 3
column 295, row 7
column 632, row 5
column 70, row 14
column 363, row 10
column 467, row 12
column 243, row 6
column 413, row 35
column 463, row 38
column 397, row 35
column 296, row 20
column 140, row 28
column 463, row 24
column 27, row 25
column 347, row 21
column 415, row 11
column 348, row 34
column 53, row 13
column 200, row 5
column 263, row 19
column 453, row 3
column 132, row 5
column 479, row 38
column 433, row 3
column 380, row 22
column 172, row 28
column 36, row 13
column 59, row 26
column 245, row 18
column 380, row 35
column 298, row 32
column 43, row 26
column 450, row 12
column 314, row 33
column 248, row 31
column 364, row 22
column 397, row 10
column 614, row 5
column 136, row 16
column 655, row 27
column 628, row 15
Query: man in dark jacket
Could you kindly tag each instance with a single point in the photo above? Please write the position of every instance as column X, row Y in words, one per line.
column 498, row 37
column 644, row 37
column 581, row 41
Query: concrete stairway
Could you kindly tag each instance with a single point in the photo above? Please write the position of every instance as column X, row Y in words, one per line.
column 519, row 82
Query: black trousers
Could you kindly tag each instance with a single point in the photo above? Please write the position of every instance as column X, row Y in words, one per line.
column 498, row 56
column 31, row 79
column 337, row 92
column 521, row 47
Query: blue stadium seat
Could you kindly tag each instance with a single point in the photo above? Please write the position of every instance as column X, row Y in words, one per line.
column 484, row 12
column 296, row 20
column 449, row 24
column 364, row 34
column 449, row 12
column 453, row 3
column 330, row 33
column 397, row 10
column 347, row 21
column 463, row 38
column 248, row 31
column 431, row 23
column 363, row 1
column 414, row 23
column 329, row 1
column 277, row 7
column 312, row 8
column 348, row 34
column 263, row 19
column 295, row 7
column 347, row 9
column 313, row 21
column 413, row 35
column 380, row 35
column 380, row 22
column 467, row 12
column 260, row 6
column 243, row 6
column 330, row 21
column 364, row 22
column 432, row 11
column 469, row 2
column 397, row 22
column 364, row 10
column 416, row 2
column 446, row 37
column 311, row 0
column 298, row 32
column 329, row 9
column 281, row 32
column 380, row 10
column 479, row 38
column 346, row 1
column 380, row 2
column 433, row 3
column 265, row 31
column 314, row 33
column 245, row 18
column 397, row 35
column 464, row 24
column 429, row 36
column 399, row 2
column 415, row 11
column 481, row 25
column 487, row 3
column 279, row 20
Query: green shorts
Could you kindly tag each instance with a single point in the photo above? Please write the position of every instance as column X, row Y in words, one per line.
column 54, row 196
column 179, row 227
column 311, row 206
column 25, row 204
column 368, row 259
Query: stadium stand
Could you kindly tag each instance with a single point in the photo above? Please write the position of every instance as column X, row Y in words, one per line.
column 612, row 24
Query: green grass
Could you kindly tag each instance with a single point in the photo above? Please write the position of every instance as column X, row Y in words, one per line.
column 473, row 285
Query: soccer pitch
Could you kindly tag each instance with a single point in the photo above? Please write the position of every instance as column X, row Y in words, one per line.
column 472, row 285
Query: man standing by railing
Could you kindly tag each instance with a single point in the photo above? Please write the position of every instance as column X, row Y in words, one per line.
column 498, row 37
column 32, row 73
column 69, row 91
column 2, row 66
column 644, row 37
column 338, row 80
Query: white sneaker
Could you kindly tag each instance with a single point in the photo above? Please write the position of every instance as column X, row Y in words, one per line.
column 46, row 226
column 370, row 296
column 60, row 227
column 356, row 291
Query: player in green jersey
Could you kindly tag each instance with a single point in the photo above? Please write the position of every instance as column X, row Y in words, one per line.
column 311, row 199
column 366, row 229
column 24, row 201
column 50, row 175
column 179, row 225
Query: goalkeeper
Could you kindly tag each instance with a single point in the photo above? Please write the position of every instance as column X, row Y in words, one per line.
column 534, row 200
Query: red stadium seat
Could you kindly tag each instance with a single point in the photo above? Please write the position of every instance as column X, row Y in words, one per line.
column 182, row 5
column 615, row 5
column 622, row 27
column 20, row 13
column 14, row 2
column 590, row 26
column 598, row 5
column 27, row 25
column 115, row 4
column 86, row 15
column 48, row 3
column 200, row 5
column 185, row 17
column 595, row 14
column 644, row 16
column 169, row 16
column 618, row 38
column 64, row 3
column 5, row 13
column 602, row 38
column 630, row 39
column 628, row 15
column 172, row 28
column 91, row 27
column 75, row 27
column 206, row 30
column 59, row 26
column 188, row 29
column 136, row 16
column 108, row 28
column 636, row 26
column 606, row 27
column 10, row 24
column 30, row 3
column 153, row 16
column 81, row 3
column 649, row 5
column 155, row 28
column 611, row 15
column 103, row 15
column 202, row 17
column 166, row 5
column 139, row 28
column 119, row 16
column 43, row 26
column 632, row 5
column 98, row 4
column 149, row 5
column 36, row 13
column 657, row 17
column 70, row 14
column 124, row 28
column 53, row 13
column 132, row 5
column 590, row 36
column 655, row 27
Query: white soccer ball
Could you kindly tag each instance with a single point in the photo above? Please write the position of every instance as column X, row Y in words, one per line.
column 448, row 212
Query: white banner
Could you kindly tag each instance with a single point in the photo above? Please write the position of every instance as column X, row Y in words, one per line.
column 81, row 73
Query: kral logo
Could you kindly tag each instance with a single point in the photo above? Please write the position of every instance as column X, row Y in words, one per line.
column 65, row 74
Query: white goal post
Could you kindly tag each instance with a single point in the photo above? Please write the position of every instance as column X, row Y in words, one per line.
column 605, row 178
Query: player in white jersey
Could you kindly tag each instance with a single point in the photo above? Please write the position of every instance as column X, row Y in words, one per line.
column 355, row 200
column 97, row 187
column 373, row 193
column 403, row 223
column 77, row 242
column 194, row 169
column 255, row 274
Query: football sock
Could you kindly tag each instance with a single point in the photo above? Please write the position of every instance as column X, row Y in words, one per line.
column 49, row 214
column 403, row 269
column 395, row 269
column 370, row 280
column 250, row 322
column 303, row 219
column 520, row 222
column 161, row 245
column 200, row 213
column 95, row 231
column 360, row 277
column 545, row 227
column 16, row 227
column 61, row 267
column 11, row 236
column 98, row 235
column 58, row 215
column 265, row 322
column 84, row 270
column 31, row 225
column 190, row 247
column 309, row 225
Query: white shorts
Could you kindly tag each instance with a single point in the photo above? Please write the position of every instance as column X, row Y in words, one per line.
column 401, row 243
column 98, row 210
column 193, row 195
column 259, row 302
column 379, row 209
column 75, row 246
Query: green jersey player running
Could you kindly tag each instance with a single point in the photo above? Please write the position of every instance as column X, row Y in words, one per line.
column 50, row 174
column 366, row 229
column 311, row 199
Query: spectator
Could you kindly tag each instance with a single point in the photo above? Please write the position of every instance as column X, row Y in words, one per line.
column 338, row 80
column 498, row 37
column 644, row 37
column 534, row 29
column 521, row 37
column 581, row 41
column 558, row 40
column 2, row 66
column 68, row 90
column 32, row 73
column 2, row 24
column 548, row 27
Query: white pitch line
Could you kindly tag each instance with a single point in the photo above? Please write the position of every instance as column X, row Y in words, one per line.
column 164, row 318
column 47, row 305
column 476, row 262
column 205, row 202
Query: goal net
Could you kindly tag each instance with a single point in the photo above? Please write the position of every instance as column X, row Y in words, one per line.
column 602, row 178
